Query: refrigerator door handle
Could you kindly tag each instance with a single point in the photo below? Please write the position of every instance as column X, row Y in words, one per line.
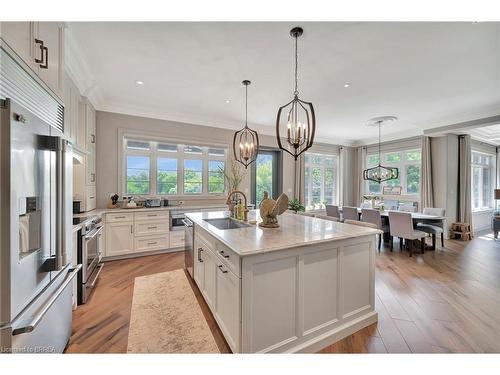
column 28, row 325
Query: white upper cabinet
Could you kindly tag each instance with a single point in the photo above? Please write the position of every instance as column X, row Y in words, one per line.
column 41, row 46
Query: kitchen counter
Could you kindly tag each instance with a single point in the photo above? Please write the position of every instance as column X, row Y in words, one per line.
column 101, row 211
column 294, row 231
column 296, row 288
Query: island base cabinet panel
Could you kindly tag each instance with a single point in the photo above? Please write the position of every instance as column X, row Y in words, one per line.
column 306, row 298
column 227, row 309
column 119, row 238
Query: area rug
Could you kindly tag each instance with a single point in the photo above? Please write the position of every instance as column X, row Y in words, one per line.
column 166, row 317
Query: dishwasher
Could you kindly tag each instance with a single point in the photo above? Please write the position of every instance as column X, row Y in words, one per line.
column 189, row 245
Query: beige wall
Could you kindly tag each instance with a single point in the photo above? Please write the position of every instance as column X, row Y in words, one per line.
column 108, row 125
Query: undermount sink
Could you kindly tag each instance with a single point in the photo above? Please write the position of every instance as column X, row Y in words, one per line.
column 226, row 223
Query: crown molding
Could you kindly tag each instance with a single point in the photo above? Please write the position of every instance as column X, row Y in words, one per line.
column 78, row 70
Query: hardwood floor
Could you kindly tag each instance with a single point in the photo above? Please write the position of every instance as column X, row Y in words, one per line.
column 447, row 301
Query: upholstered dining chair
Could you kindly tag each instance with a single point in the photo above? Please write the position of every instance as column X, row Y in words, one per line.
column 327, row 217
column 303, row 213
column 433, row 229
column 333, row 211
column 407, row 208
column 361, row 223
column 350, row 213
column 401, row 225
column 370, row 215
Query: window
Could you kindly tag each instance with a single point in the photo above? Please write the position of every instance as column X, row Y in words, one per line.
column 138, row 174
column 320, row 180
column 165, row 168
column 482, row 166
column 408, row 163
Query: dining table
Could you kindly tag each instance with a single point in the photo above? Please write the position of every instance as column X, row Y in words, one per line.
column 417, row 217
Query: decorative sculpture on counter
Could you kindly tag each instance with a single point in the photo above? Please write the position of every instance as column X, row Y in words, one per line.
column 113, row 200
column 270, row 209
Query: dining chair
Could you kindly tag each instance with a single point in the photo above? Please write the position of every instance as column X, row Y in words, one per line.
column 310, row 214
column 407, row 208
column 327, row 217
column 361, row 223
column 333, row 211
column 370, row 215
column 401, row 225
column 433, row 228
column 350, row 213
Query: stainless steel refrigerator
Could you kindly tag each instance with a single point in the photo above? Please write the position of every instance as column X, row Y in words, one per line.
column 36, row 273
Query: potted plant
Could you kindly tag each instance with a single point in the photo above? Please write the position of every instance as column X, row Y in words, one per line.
column 296, row 206
column 232, row 179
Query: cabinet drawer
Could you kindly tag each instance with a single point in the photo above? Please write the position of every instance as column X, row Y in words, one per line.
column 119, row 217
column 202, row 235
column 148, row 216
column 143, row 228
column 150, row 243
column 177, row 239
column 230, row 259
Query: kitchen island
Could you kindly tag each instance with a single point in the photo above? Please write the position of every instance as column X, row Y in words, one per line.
column 296, row 288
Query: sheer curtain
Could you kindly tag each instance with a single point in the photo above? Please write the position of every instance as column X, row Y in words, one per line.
column 360, row 167
column 427, row 195
column 342, row 197
column 464, row 180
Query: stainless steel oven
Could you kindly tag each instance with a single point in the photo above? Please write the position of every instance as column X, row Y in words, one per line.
column 89, row 254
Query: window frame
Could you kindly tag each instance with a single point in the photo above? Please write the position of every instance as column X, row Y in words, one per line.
column 492, row 168
column 323, row 167
column 154, row 153
column 402, row 165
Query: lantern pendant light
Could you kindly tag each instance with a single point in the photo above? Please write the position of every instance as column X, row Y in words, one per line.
column 246, row 140
column 380, row 173
column 298, row 126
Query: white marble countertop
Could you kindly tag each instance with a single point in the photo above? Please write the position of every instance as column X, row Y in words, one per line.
column 294, row 231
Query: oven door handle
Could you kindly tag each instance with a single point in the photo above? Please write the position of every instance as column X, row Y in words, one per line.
column 93, row 233
column 29, row 325
column 97, row 273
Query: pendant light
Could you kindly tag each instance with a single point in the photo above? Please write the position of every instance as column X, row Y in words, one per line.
column 246, row 140
column 299, row 124
column 380, row 173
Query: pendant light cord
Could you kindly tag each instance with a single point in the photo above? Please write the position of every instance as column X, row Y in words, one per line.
column 379, row 139
column 296, row 92
column 246, row 106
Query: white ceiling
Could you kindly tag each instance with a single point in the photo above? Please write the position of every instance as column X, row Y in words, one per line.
column 427, row 74
column 489, row 134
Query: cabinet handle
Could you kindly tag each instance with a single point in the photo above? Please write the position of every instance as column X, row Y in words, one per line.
column 152, row 227
column 152, row 243
column 199, row 255
column 222, row 253
column 92, row 138
column 40, row 60
column 220, row 267
column 120, row 217
column 46, row 65
column 92, row 177
column 152, row 215
column 131, row 228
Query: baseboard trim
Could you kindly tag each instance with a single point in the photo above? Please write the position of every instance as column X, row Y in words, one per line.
column 142, row 254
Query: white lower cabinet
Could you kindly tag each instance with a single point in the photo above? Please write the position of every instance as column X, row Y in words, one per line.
column 220, row 287
column 209, row 280
column 119, row 238
column 227, row 305
column 129, row 233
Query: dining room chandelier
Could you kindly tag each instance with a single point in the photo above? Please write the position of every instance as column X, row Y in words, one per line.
column 380, row 173
column 296, row 121
column 246, row 140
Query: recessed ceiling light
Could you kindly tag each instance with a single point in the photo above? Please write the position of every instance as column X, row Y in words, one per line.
column 346, row 85
column 228, row 101
column 139, row 82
